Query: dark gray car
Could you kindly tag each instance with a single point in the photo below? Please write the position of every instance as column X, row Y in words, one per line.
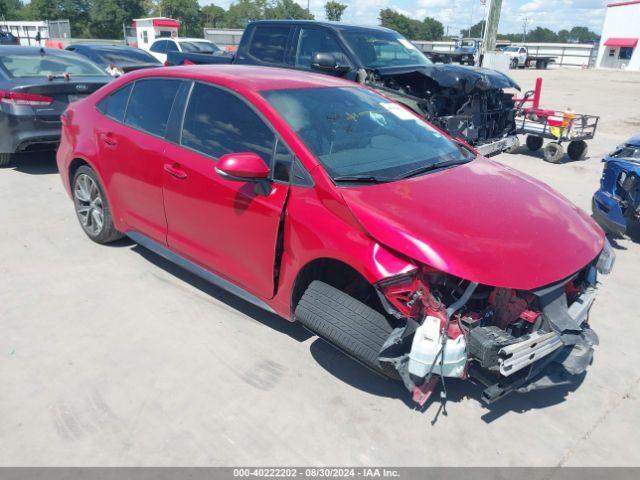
column 36, row 85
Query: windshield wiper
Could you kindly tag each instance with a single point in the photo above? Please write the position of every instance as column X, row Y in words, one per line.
column 434, row 166
column 361, row 179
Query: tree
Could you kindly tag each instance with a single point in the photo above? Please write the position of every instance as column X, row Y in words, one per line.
column 334, row 10
column 583, row 35
column 187, row 12
column 540, row 34
column 214, row 16
column 11, row 9
column 286, row 9
column 433, row 29
column 108, row 16
column 475, row 31
column 244, row 11
column 429, row 29
column 76, row 11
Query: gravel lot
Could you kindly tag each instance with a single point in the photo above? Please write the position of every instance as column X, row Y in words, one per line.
column 111, row 356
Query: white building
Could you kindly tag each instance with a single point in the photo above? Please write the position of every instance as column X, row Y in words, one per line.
column 149, row 29
column 26, row 31
column 620, row 35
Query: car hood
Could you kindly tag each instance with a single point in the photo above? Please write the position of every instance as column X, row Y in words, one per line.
column 481, row 221
column 456, row 76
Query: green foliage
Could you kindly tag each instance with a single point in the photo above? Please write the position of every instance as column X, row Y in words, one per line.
column 11, row 9
column 428, row 29
column 213, row 16
column 475, row 31
column 286, row 9
column 187, row 12
column 544, row 35
column 334, row 10
column 108, row 16
column 244, row 11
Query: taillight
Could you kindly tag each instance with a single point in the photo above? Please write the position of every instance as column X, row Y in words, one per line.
column 166, row 63
column 12, row 97
column 187, row 62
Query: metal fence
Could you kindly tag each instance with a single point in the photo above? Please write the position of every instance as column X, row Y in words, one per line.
column 228, row 39
column 59, row 29
column 581, row 55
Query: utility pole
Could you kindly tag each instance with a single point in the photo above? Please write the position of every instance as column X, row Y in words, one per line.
column 525, row 24
column 491, row 27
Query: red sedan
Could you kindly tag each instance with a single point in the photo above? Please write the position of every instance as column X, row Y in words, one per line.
column 327, row 203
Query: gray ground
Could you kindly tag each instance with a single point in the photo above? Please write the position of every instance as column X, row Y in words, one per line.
column 111, row 356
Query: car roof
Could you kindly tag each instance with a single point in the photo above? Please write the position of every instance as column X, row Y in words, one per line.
column 103, row 45
column 11, row 49
column 334, row 25
column 247, row 77
column 191, row 39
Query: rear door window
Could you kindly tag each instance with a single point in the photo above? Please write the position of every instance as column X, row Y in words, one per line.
column 269, row 43
column 150, row 104
column 159, row 47
column 171, row 46
column 217, row 123
column 115, row 105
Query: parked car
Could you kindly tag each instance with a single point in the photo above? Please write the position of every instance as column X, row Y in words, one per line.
column 36, row 85
column 465, row 52
column 116, row 60
column 520, row 58
column 325, row 202
column 8, row 38
column 162, row 46
column 467, row 103
column 616, row 205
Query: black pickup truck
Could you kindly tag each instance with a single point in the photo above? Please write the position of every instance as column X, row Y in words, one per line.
column 468, row 103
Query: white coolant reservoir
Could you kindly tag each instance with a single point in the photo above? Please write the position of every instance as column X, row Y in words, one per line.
column 426, row 345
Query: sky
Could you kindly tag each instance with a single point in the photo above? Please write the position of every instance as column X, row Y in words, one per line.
column 458, row 14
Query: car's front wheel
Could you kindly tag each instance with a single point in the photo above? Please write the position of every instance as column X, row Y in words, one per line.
column 92, row 207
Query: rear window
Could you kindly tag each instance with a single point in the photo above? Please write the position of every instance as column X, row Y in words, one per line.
column 115, row 104
column 121, row 56
column 269, row 43
column 150, row 105
column 199, row 47
column 20, row 65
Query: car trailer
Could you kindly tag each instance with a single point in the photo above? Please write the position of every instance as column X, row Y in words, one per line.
column 558, row 126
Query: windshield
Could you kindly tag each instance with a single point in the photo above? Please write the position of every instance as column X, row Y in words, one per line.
column 378, row 49
column 121, row 56
column 20, row 65
column 199, row 47
column 627, row 151
column 512, row 49
column 467, row 43
column 356, row 132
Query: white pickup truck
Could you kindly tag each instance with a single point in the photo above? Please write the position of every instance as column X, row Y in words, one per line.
column 520, row 58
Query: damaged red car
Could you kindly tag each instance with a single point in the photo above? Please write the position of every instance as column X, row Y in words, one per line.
column 326, row 203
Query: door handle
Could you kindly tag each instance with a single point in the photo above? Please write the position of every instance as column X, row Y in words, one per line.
column 174, row 170
column 107, row 139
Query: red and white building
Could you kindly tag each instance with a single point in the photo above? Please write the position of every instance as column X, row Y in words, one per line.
column 620, row 36
column 147, row 30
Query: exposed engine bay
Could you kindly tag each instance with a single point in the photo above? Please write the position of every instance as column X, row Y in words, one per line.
column 506, row 340
column 469, row 103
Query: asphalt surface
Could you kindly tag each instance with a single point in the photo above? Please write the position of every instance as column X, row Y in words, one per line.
column 111, row 356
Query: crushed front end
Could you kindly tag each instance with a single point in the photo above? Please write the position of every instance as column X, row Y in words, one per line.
column 467, row 103
column 506, row 340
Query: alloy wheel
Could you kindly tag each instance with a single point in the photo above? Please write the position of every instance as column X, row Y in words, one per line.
column 89, row 204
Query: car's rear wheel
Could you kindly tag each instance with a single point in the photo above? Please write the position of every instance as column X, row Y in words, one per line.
column 92, row 207
column 513, row 64
column 5, row 159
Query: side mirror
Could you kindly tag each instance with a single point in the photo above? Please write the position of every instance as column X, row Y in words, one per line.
column 242, row 167
column 327, row 62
